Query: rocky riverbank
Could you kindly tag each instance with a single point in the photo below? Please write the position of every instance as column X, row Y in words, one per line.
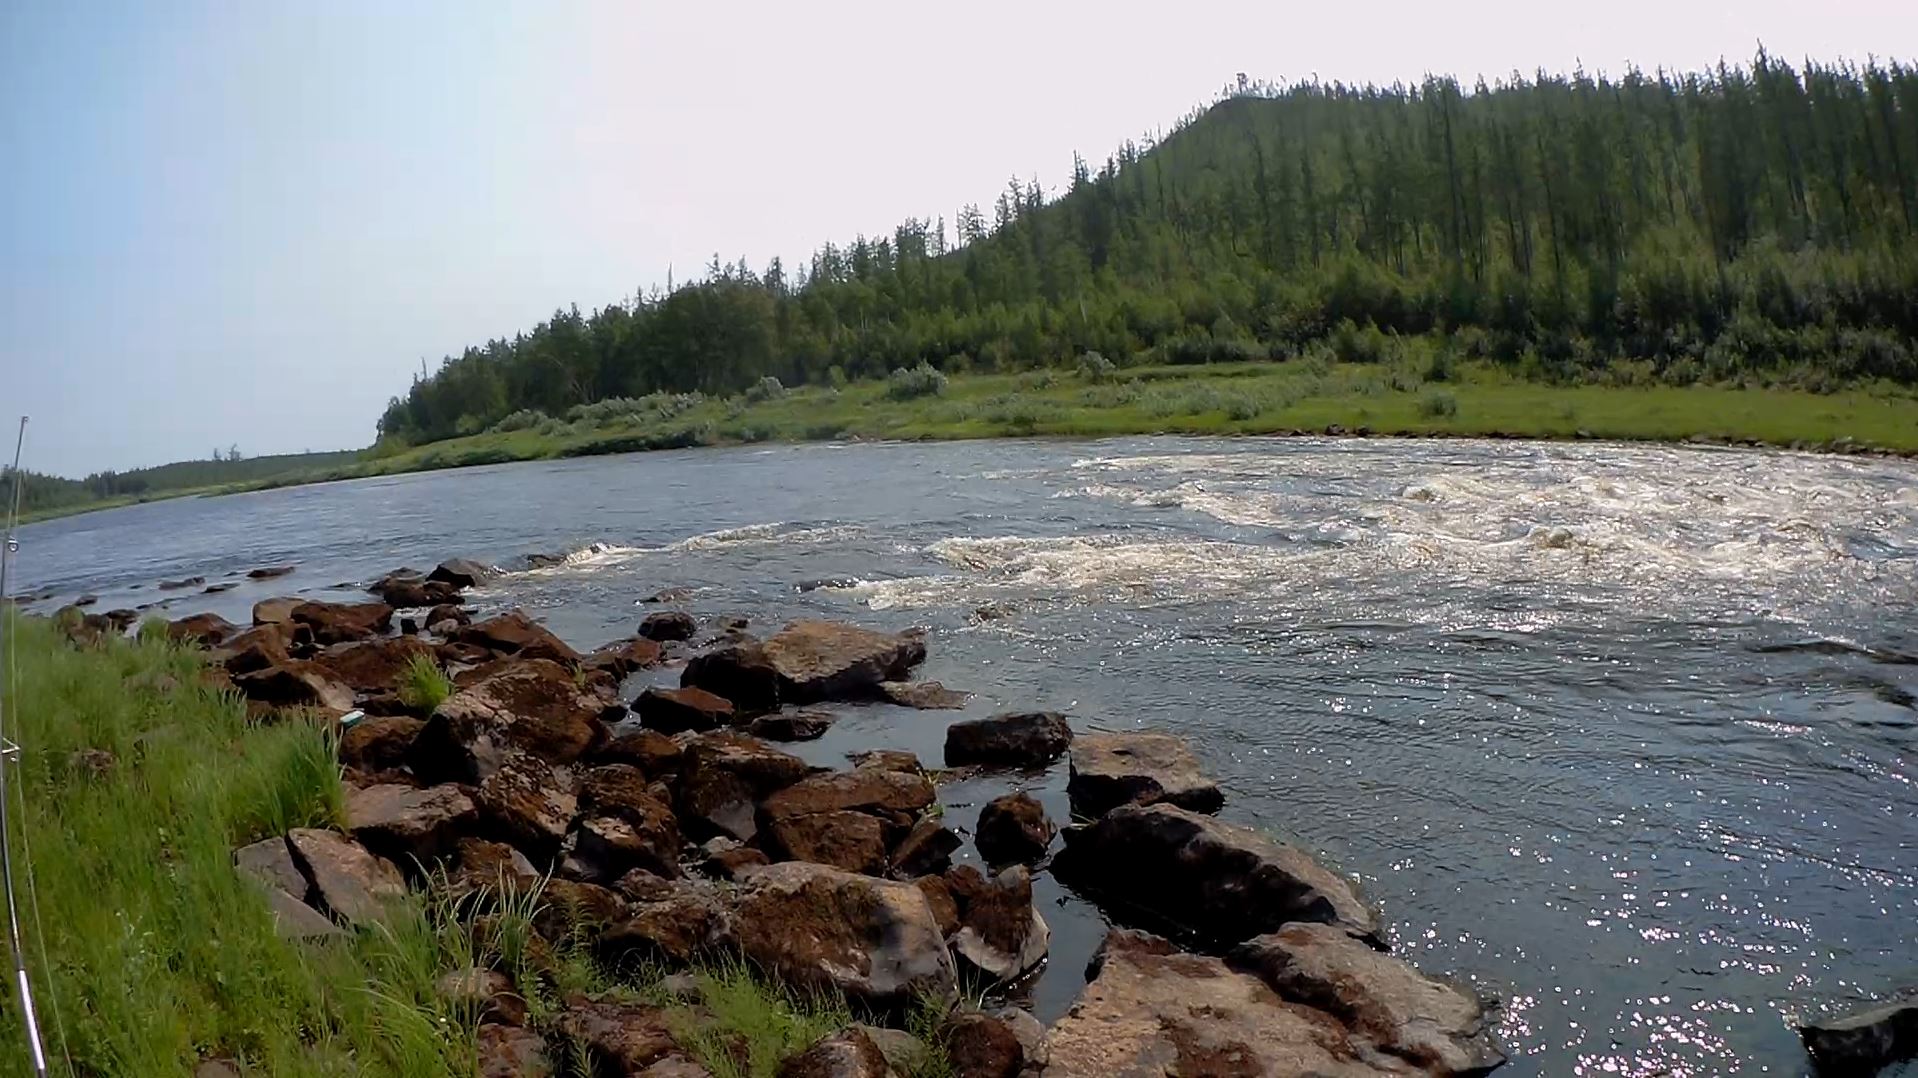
column 666, row 829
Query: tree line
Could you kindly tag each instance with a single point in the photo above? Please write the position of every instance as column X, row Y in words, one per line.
column 1747, row 221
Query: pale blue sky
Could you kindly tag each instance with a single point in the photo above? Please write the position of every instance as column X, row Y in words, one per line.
column 247, row 223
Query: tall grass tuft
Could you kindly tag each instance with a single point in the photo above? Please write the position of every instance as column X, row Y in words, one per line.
column 423, row 685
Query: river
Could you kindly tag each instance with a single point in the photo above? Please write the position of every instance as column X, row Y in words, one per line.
column 1622, row 735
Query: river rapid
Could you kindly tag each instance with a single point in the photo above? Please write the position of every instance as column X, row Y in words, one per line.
column 1625, row 736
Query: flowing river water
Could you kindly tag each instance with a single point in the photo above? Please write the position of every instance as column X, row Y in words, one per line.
column 1624, row 736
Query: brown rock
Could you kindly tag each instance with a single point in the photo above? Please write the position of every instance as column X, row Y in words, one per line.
column 874, row 940
column 513, row 633
column 372, row 665
column 981, row 1046
column 1109, row 770
column 861, row 789
column 621, row 657
column 529, row 803
column 268, row 572
column 379, row 744
column 1190, row 1015
column 1223, row 882
column 260, row 647
column 676, row 921
column 409, row 825
column 852, row 841
column 655, row 754
column 275, row 611
column 945, row 908
column 535, row 707
column 724, row 775
column 733, row 861
column 487, row 993
column 887, row 760
column 295, row 683
column 490, row 867
column 1011, row 740
column 512, row 1052
column 445, row 612
column 924, row 695
column 407, row 588
column 570, row 909
column 619, row 1038
column 925, row 851
column 1394, row 1012
column 740, row 673
column 827, row 660
column 604, row 848
column 352, row 883
column 1013, row 828
column 1000, row 933
column 183, row 582
column 674, row 711
column 668, row 625
column 336, row 623
column 805, row 725
column 462, row 573
column 849, row 1053
column 206, row 630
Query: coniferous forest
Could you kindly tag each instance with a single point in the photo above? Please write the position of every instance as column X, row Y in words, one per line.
column 1756, row 222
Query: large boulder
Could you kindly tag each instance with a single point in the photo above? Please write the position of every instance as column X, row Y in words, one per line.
column 983, row 1046
column 461, row 573
column 818, row 927
column 1217, row 880
column 337, row 623
column 1150, row 1009
column 379, row 744
column 408, row 824
column 513, row 633
column 1032, row 739
column 739, row 672
column 723, row 777
column 829, row 660
column 849, row 1053
column 372, row 666
column 675, row 711
column 1013, row 827
column 534, row 706
column 1393, row 1011
column 206, row 630
column 601, row 849
column 275, row 611
column 482, row 866
column 1001, row 934
column 844, row 818
column 527, row 802
column 852, row 841
column 260, row 646
column 859, row 790
column 351, row 883
column 1137, row 769
column 1865, row 1042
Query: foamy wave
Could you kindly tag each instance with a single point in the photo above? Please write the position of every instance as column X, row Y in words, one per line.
column 590, row 556
column 778, row 531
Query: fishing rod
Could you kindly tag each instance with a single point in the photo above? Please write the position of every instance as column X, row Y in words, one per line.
column 9, row 755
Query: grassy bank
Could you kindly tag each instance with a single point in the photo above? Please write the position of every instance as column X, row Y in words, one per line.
column 151, row 953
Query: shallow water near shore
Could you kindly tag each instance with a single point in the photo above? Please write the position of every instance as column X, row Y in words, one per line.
column 1623, row 735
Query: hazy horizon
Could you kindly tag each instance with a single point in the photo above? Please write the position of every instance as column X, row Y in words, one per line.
column 250, row 226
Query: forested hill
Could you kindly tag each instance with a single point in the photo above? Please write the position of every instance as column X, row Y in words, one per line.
column 1756, row 223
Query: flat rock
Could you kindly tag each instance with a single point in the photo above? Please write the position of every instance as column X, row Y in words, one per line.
column 373, row 665
column 1109, row 770
column 803, row 725
column 484, row 866
column 275, row 611
column 337, row 623
column 534, row 706
column 852, row 841
column 295, row 920
column 675, row 711
column 206, row 630
column 295, row 683
column 1013, row 828
column 513, row 633
column 269, row 572
column 655, row 754
column 860, row 789
column 1030, row 739
column 1218, row 880
column 818, row 927
column 604, row 848
column 1394, row 1012
column 352, row 883
column 408, row 824
column 1865, row 1042
column 829, row 660
column 924, row 695
column 672, row 921
column 271, row 863
column 849, row 1053
column 1150, row 1010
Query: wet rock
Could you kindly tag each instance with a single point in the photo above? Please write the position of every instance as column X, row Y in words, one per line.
column 262, row 646
column 1109, row 770
column 350, row 882
column 731, row 861
column 652, row 752
column 860, row 789
column 1012, row 828
column 925, row 851
column 461, row 573
column 945, row 908
column 535, row 706
column 1865, row 1042
column 674, row 711
column 875, row 940
column 206, row 630
column 407, row 588
column 806, row 725
column 677, row 922
column 372, row 666
column 513, row 633
column 619, row 1038
column 839, row 818
column 487, row 993
column 183, row 582
column 337, row 623
column 512, row 1052
column 1000, row 933
column 215, row 589
column 86, row 600
column 379, row 744
column 1190, row 1014
column 1218, row 880
column 828, row 660
column 122, row 619
column 739, row 672
column 887, row 760
column 445, row 612
column 1393, row 1012
column 528, row 803
column 409, row 825
column 669, row 595
column 268, row 572
column 849, row 1053
column 275, row 611
column 981, row 1046
column 668, row 625
column 621, row 657
column 924, row 695
column 723, row 777
column 1031, row 739
column 295, row 683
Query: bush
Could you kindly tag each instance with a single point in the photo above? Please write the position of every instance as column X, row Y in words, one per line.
column 924, row 380
column 524, row 419
column 1438, row 402
column 766, row 389
column 1094, row 367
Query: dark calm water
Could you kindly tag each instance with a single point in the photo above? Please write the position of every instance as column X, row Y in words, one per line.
column 1625, row 736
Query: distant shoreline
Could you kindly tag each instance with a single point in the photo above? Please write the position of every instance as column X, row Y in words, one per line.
column 1263, row 399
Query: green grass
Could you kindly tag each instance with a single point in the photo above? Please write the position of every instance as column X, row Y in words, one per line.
column 423, row 685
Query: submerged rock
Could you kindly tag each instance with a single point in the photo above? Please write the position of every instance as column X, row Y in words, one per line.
column 269, row 572
column 1218, row 880
column 924, row 695
column 1109, row 770
column 1865, row 1042
column 461, row 573
column 804, row 725
column 875, row 940
column 1031, row 739
column 668, row 625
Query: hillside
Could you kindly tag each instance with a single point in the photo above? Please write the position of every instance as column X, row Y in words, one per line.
column 1740, row 226
column 49, row 495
